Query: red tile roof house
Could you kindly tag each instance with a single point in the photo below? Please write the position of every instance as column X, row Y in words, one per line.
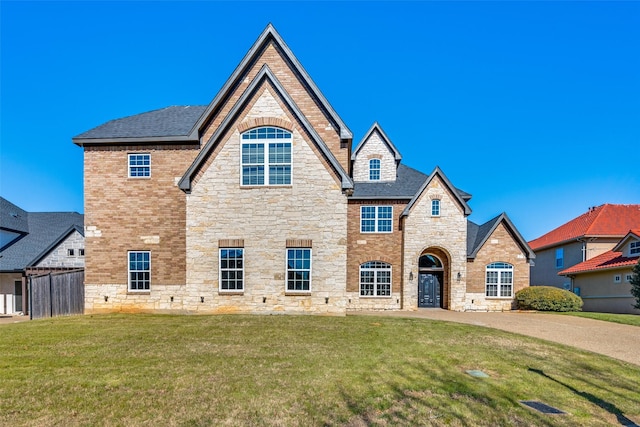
column 588, row 255
column 257, row 203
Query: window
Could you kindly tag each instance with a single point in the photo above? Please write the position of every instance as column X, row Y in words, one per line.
column 617, row 278
column 139, row 270
column 559, row 257
column 139, row 165
column 71, row 252
column 81, row 252
column 499, row 283
column 231, row 269
column 298, row 270
column 435, row 207
column 627, row 278
column 634, row 248
column 374, row 170
column 375, row 279
column 376, row 219
column 276, row 143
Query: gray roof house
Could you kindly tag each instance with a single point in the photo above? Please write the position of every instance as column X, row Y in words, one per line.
column 35, row 243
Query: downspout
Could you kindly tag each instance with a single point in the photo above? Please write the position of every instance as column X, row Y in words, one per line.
column 402, row 282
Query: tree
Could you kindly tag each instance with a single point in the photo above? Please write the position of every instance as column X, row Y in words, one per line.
column 635, row 284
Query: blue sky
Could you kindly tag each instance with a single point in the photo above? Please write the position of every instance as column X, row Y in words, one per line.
column 532, row 107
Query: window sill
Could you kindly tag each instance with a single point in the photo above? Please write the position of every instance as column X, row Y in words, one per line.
column 134, row 292
column 498, row 298
column 220, row 292
column 251, row 187
column 376, row 296
column 297, row 293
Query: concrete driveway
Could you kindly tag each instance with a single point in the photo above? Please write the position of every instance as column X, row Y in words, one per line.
column 611, row 339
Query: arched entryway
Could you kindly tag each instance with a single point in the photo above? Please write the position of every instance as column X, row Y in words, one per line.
column 433, row 283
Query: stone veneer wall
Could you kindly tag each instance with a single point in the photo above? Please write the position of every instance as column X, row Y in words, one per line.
column 499, row 247
column 59, row 256
column 374, row 148
column 447, row 232
column 363, row 247
column 264, row 218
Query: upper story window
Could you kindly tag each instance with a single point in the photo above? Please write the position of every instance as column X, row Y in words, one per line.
column 376, row 219
column 231, row 269
column 139, row 270
column 499, row 280
column 375, row 279
column 374, row 169
column 266, row 157
column 435, row 207
column 139, row 165
column 559, row 258
column 634, row 248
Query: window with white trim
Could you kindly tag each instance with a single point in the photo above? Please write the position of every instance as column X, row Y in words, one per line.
column 139, row 165
column 499, row 280
column 139, row 270
column 374, row 170
column 375, row 279
column 298, row 269
column 559, row 258
column 634, row 248
column 376, row 219
column 627, row 278
column 435, row 207
column 617, row 278
column 231, row 269
column 266, row 157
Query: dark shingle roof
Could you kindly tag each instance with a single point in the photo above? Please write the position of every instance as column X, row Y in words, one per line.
column 43, row 231
column 477, row 235
column 407, row 183
column 12, row 218
column 169, row 121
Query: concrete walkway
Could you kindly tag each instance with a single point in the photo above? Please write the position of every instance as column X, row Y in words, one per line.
column 611, row 339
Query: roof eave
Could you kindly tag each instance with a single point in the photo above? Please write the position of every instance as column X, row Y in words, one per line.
column 147, row 140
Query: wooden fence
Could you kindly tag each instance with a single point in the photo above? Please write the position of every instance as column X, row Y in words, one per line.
column 56, row 294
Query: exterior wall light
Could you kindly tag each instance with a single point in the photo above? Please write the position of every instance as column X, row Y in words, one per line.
column 411, row 276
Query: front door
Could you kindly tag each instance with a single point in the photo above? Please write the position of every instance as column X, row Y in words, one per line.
column 429, row 288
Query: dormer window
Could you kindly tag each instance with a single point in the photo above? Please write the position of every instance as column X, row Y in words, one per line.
column 435, row 207
column 634, row 248
column 266, row 157
column 374, row 170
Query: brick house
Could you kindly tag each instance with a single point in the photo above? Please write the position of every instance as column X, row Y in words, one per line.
column 257, row 203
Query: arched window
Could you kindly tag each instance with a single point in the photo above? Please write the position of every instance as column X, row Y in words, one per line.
column 430, row 262
column 266, row 156
column 435, row 207
column 375, row 279
column 374, row 170
column 499, row 280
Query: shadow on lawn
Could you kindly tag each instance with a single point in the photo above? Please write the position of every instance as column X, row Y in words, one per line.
column 609, row 407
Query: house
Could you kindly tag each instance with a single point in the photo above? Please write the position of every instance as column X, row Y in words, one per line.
column 34, row 243
column 591, row 234
column 258, row 203
column 604, row 281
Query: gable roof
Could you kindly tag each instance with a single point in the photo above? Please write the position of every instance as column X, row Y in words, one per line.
column 606, row 220
column 264, row 75
column 166, row 124
column 607, row 261
column 447, row 183
column 631, row 235
column 44, row 231
column 270, row 35
column 477, row 235
column 385, row 139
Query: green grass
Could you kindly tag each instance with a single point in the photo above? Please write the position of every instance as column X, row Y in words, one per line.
column 128, row 370
column 625, row 319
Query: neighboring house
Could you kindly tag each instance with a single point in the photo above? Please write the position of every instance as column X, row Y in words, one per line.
column 591, row 234
column 604, row 281
column 35, row 243
column 258, row 203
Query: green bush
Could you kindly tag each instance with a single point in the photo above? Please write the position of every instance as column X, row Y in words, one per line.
column 548, row 298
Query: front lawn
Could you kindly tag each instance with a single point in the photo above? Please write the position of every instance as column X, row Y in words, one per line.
column 625, row 319
column 238, row 370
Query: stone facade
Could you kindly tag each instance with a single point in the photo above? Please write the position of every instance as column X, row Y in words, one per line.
column 68, row 254
column 445, row 234
column 375, row 148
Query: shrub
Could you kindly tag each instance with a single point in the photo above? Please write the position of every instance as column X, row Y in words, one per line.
column 548, row 298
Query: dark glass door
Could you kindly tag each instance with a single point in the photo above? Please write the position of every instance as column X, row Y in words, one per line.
column 429, row 289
